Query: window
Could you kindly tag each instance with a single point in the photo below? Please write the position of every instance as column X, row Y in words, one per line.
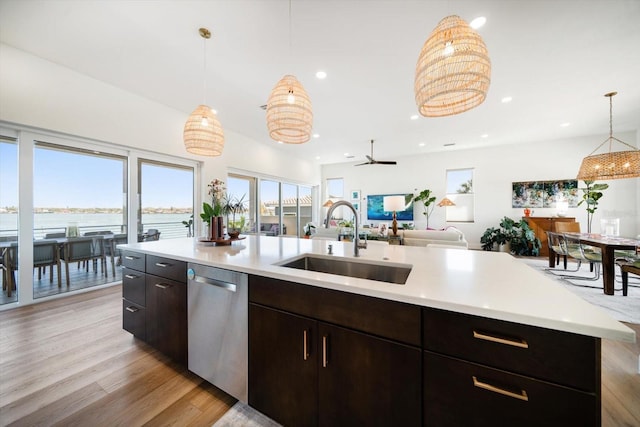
column 243, row 188
column 8, row 209
column 460, row 192
column 166, row 199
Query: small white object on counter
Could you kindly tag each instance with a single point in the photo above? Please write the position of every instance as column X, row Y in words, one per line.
column 489, row 284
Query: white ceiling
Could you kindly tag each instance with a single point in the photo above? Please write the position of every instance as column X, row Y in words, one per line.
column 556, row 58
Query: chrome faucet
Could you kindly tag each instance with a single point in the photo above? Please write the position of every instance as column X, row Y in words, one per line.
column 356, row 239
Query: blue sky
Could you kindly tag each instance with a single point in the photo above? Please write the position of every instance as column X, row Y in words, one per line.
column 64, row 179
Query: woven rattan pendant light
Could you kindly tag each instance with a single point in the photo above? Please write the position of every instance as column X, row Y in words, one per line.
column 453, row 70
column 614, row 164
column 203, row 134
column 289, row 111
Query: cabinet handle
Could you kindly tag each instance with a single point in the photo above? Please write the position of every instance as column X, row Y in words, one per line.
column 483, row 336
column 162, row 264
column 131, row 276
column 162, row 285
column 132, row 309
column 305, row 346
column 129, row 257
column 520, row 396
column 325, row 345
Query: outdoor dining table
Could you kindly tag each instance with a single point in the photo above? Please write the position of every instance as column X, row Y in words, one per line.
column 608, row 245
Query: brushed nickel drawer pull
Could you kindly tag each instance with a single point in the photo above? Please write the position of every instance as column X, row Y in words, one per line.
column 132, row 309
column 131, row 276
column 520, row 396
column 162, row 285
column 325, row 362
column 481, row 336
column 130, row 258
column 162, row 264
column 305, row 348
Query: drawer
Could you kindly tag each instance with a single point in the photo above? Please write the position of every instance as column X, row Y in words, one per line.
column 133, row 287
column 389, row 319
column 561, row 357
column 459, row 393
column 168, row 268
column 133, row 319
column 134, row 260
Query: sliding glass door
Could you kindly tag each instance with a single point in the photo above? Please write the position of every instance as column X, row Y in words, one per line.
column 8, row 219
column 166, row 200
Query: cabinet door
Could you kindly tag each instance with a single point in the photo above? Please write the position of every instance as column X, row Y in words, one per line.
column 167, row 317
column 283, row 376
column 367, row 381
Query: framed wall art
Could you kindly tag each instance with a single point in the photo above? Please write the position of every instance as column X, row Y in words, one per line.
column 544, row 194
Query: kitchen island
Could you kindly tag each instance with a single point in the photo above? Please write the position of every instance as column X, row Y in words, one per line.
column 468, row 328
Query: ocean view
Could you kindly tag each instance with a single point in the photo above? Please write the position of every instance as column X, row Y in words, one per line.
column 170, row 224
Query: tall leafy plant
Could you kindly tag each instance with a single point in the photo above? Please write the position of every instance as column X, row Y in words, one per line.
column 428, row 201
column 592, row 193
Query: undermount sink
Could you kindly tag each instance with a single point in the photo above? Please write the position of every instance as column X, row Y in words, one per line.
column 382, row 272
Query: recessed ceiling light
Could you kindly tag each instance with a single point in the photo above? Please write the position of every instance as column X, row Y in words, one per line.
column 421, row 144
column 321, row 75
column 214, row 111
column 279, row 142
column 317, row 157
column 478, row 22
column 484, row 135
column 346, row 154
column 414, row 117
column 506, row 99
column 566, row 124
column 316, row 135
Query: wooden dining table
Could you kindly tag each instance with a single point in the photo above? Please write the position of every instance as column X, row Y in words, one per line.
column 607, row 245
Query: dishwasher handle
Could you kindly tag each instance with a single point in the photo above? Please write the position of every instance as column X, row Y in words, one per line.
column 191, row 274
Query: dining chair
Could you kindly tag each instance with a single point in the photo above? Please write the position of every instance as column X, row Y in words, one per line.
column 558, row 245
column 581, row 252
column 566, row 227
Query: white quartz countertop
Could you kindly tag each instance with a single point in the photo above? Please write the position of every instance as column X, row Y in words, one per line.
column 488, row 284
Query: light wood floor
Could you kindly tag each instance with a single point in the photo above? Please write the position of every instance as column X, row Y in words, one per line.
column 69, row 363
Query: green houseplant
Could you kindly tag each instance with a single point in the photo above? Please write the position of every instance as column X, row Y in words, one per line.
column 592, row 193
column 428, row 202
column 517, row 238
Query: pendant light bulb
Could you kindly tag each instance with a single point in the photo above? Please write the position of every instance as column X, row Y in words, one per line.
column 291, row 99
column 448, row 49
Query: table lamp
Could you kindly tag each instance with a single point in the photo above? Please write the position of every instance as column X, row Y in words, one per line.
column 394, row 204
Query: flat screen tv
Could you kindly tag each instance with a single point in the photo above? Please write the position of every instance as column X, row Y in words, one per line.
column 375, row 208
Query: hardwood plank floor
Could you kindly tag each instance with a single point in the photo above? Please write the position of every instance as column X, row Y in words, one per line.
column 68, row 362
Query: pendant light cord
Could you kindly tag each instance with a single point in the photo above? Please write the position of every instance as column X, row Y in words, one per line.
column 610, row 120
column 204, row 71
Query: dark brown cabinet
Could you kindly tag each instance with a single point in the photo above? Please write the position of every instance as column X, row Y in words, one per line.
column 505, row 373
column 306, row 371
column 133, row 294
column 155, row 305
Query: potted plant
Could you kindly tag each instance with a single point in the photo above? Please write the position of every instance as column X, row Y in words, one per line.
column 428, row 203
column 591, row 195
column 233, row 207
column 511, row 236
column 309, row 229
column 189, row 225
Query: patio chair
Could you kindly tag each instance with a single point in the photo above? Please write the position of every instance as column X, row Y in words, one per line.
column 45, row 253
column 152, row 234
column 113, row 252
column 87, row 249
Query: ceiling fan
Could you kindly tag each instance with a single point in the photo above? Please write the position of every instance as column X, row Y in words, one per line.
column 373, row 161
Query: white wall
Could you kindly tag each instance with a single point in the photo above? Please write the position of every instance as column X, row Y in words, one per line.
column 40, row 94
column 495, row 169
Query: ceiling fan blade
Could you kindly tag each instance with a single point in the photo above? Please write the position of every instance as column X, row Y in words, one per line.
column 362, row 164
column 370, row 158
column 386, row 162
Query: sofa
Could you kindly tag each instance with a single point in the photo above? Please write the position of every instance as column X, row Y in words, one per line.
column 450, row 237
column 271, row 229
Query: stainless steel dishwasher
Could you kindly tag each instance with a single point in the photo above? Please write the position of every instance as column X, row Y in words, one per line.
column 218, row 327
